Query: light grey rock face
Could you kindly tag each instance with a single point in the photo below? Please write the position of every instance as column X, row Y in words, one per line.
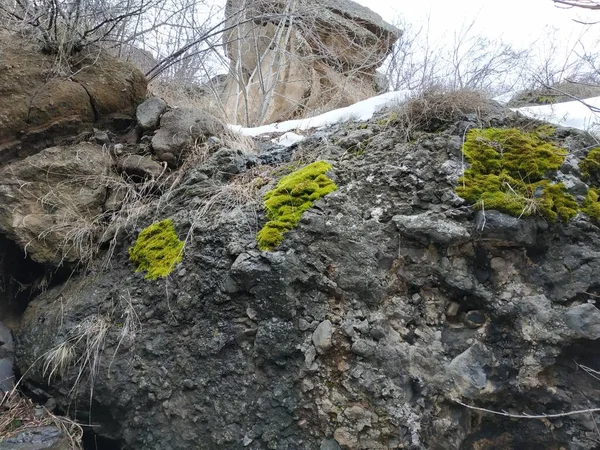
column 413, row 306
column 322, row 336
column 584, row 320
column 430, row 229
column 37, row 438
column 148, row 113
column 180, row 129
column 140, row 167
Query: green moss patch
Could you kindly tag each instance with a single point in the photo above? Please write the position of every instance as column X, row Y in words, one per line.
column 157, row 250
column 508, row 173
column 590, row 166
column 591, row 205
column 294, row 194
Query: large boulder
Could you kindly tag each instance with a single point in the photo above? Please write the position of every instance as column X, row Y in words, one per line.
column 382, row 314
column 50, row 202
column 325, row 58
column 39, row 108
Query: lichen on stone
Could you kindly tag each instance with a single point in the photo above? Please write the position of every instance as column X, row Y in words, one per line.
column 508, row 173
column 157, row 250
column 294, row 194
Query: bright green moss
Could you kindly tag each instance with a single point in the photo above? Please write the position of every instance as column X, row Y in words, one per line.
column 157, row 250
column 507, row 173
column 590, row 166
column 294, row 194
column 591, row 205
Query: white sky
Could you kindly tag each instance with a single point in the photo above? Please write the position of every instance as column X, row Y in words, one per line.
column 517, row 21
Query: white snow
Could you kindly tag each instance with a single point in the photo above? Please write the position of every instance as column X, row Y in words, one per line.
column 361, row 111
column 503, row 99
column 574, row 114
column 288, row 139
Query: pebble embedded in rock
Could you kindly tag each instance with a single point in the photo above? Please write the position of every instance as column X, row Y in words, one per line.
column 322, row 336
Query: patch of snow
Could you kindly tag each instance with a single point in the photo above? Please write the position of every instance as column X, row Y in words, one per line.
column 574, row 114
column 360, row 111
column 288, row 139
column 503, row 99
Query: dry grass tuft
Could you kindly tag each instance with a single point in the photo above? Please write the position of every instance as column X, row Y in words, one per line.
column 17, row 414
column 435, row 109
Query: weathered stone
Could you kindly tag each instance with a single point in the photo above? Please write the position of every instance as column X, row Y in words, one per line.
column 140, row 167
column 417, row 324
column 334, row 47
column 322, row 336
column 66, row 190
column 493, row 224
column 424, row 227
column 181, row 129
column 37, row 112
column 148, row 113
column 37, row 438
column 584, row 320
column 329, row 444
column 468, row 370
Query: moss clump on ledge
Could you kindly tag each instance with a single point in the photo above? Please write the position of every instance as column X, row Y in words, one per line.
column 157, row 250
column 294, row 194
column 508, row 170
column 591, row 205
column 590, row 166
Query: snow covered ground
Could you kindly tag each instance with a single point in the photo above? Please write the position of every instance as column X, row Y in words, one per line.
column 575, row 114
column 360, row 111
column 581, row 114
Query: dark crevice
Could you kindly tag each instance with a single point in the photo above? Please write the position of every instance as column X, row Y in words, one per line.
column 21, row 279
column 92, row 101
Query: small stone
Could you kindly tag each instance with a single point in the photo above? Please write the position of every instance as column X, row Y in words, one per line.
column 309, row 356
column 475, row 319
column 148, row 113
column 303, row 324
column 364, row 348
column 452, row 309
column 188, row 384
column 377, row 332
column 322, row 336
column 247, row 441
column 329, row 444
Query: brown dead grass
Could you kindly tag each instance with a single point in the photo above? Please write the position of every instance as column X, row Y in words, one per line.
column 17, row 414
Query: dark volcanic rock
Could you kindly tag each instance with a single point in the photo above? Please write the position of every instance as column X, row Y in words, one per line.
column 386, row 306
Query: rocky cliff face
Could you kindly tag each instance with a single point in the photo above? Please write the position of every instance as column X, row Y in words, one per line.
column 384, row 317
column 39, row 107
column 299, row 58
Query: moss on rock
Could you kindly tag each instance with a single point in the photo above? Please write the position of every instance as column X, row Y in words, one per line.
column 590, row 166
column 508, row 170
column 294, row 194
column 157, row 250
column 591, row 205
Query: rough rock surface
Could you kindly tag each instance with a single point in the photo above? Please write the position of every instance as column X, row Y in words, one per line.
column 181, row 129
column 148, row 113
column 37, row 438
column 38, row 109
column 382, row 310
column 325, row 60
column 49, row 201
